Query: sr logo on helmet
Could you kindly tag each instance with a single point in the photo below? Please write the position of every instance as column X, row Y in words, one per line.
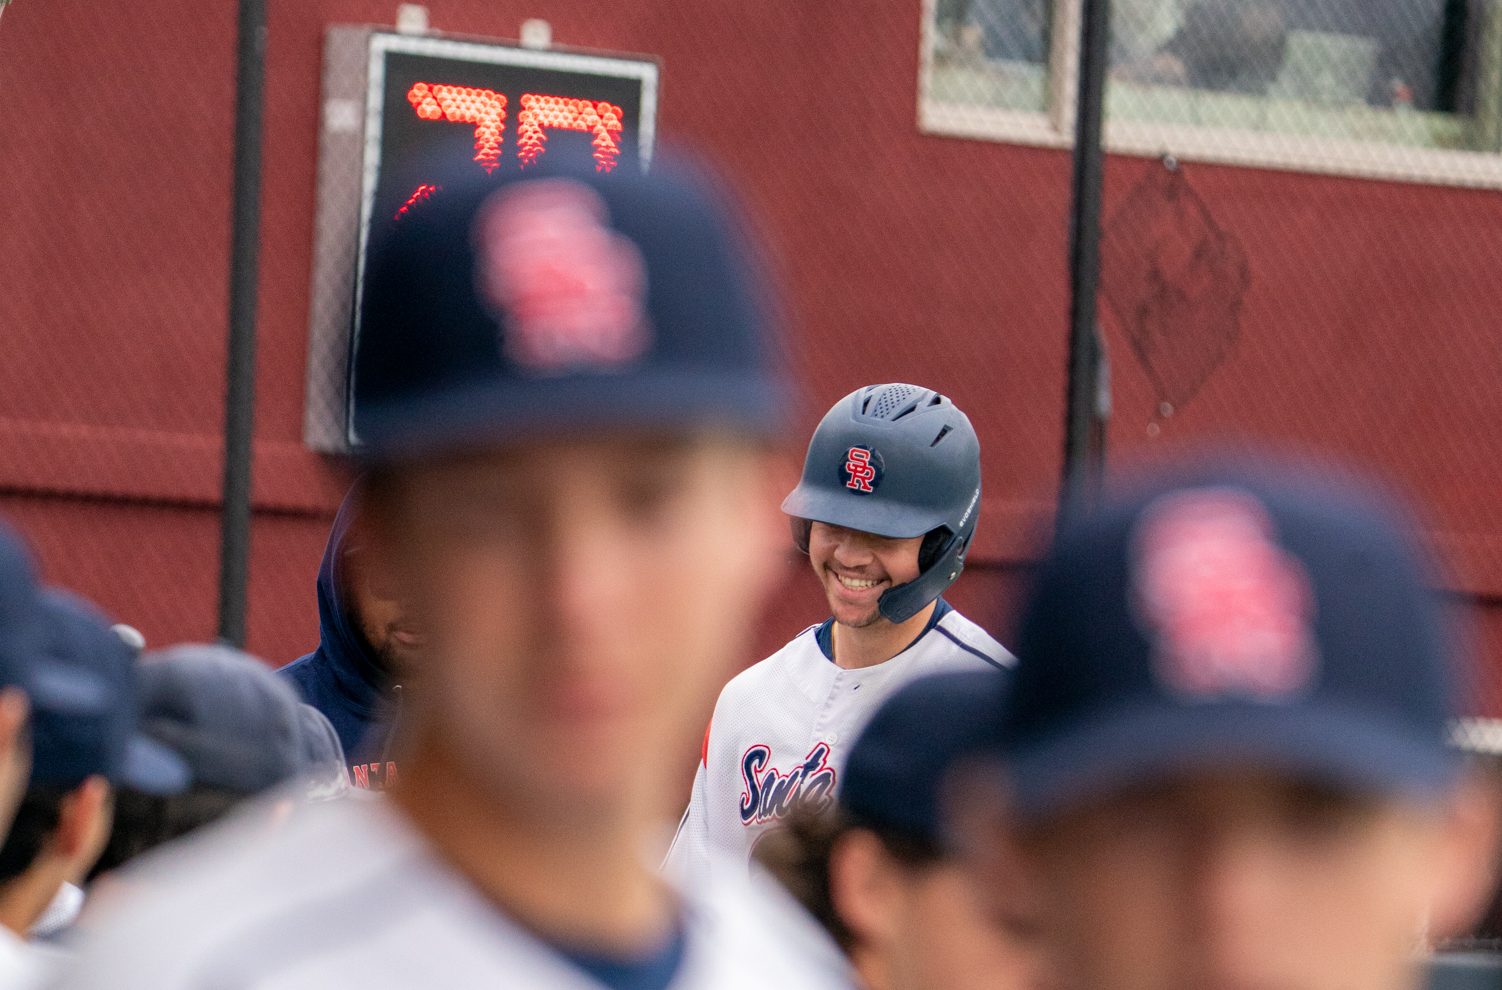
column 862, row 469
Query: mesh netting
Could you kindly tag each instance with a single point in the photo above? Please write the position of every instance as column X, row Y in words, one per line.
column 1175, row 281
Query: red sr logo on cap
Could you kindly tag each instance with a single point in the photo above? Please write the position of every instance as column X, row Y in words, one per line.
column 859, row 471
column 1229, row 610
column 570, row 291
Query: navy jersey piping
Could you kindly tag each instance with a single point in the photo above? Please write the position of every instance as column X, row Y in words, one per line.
column 971, row 650
column 654, row 971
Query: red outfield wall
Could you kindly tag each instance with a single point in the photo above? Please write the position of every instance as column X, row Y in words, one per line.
column 1368, row 330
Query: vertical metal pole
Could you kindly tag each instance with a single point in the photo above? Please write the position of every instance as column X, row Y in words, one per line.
column 239, row 402
column 1084, row 436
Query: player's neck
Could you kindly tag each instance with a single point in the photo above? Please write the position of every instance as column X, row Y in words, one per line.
column 25, row 898
column 587, row 886
column 871, row 968
column 856, row 647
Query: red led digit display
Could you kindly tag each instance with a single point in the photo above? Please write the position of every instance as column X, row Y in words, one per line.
column 539, row 114
column 420, row 195
column 485, row 108
column 410, row 119
column 443, row 106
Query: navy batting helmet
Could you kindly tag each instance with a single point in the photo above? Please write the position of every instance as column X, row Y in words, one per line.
column 897, row 461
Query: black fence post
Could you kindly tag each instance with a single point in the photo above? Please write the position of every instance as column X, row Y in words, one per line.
column 240, row 384
column 1085, row 402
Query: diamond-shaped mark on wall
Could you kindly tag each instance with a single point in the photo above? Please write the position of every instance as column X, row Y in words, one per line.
column 1175, row 280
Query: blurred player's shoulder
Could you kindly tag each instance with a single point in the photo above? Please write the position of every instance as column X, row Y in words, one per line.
column 752, row 911
column 235, row 886
column 346, row 894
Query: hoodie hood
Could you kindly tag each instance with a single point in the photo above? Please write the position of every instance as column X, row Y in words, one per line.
column 339, row 635
column 341, row 678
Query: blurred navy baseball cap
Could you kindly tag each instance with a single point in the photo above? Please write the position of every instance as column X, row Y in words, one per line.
column 21, row 624
column 84, row 698
column 323, row 761
column 893, row 778
column 561, row 302
column 235, row 723
column 30, row 641
column 77, row 675
column 1262, row 616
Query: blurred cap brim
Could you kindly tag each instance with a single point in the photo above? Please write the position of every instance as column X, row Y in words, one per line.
column 488, row 416
column 152, row 768
column 1352, row 752
column 64, row 689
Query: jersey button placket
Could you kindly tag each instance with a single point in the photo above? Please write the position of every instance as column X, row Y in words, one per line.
column 828, row 711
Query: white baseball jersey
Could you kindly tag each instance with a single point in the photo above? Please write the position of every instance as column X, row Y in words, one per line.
column 782, row 728
column 349, row 894
column 22, row 965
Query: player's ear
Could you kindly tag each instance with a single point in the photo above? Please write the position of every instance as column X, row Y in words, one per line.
column 15, row 753
column 83, row 822
column 1470, row 848
column 865, row 887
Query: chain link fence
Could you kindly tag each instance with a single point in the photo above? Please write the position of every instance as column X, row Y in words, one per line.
column 1300, row 242
column 114, row 255
column 115, row 127
column 1299, row 238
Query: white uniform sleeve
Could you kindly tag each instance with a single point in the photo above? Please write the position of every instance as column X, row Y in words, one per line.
column 687, row 861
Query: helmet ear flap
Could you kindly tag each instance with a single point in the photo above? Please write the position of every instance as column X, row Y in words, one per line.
column 801, row 529
column 932, row 547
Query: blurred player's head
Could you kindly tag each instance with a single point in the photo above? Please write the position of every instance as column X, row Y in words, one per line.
column 878, row 870
column 1227, row 742
column 365, row 621
column 387, row 626
column 888, row 501
column 565, row 389
column 239, row 728
column 85, row 745
column 22, row 629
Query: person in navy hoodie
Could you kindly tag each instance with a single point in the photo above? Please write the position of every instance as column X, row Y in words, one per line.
column 366, row 643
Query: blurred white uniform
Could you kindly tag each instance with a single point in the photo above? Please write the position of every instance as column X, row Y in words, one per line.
column 22, row 966
column 348, row 894
column 781, row 731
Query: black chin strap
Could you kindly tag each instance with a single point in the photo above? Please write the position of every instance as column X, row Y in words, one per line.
column 906, row 600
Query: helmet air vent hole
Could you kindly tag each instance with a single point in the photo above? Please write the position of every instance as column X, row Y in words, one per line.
column 942, row 434
column 910, row 407
column 891, row 399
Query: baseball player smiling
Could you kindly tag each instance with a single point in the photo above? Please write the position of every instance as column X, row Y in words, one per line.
column 886, row 510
